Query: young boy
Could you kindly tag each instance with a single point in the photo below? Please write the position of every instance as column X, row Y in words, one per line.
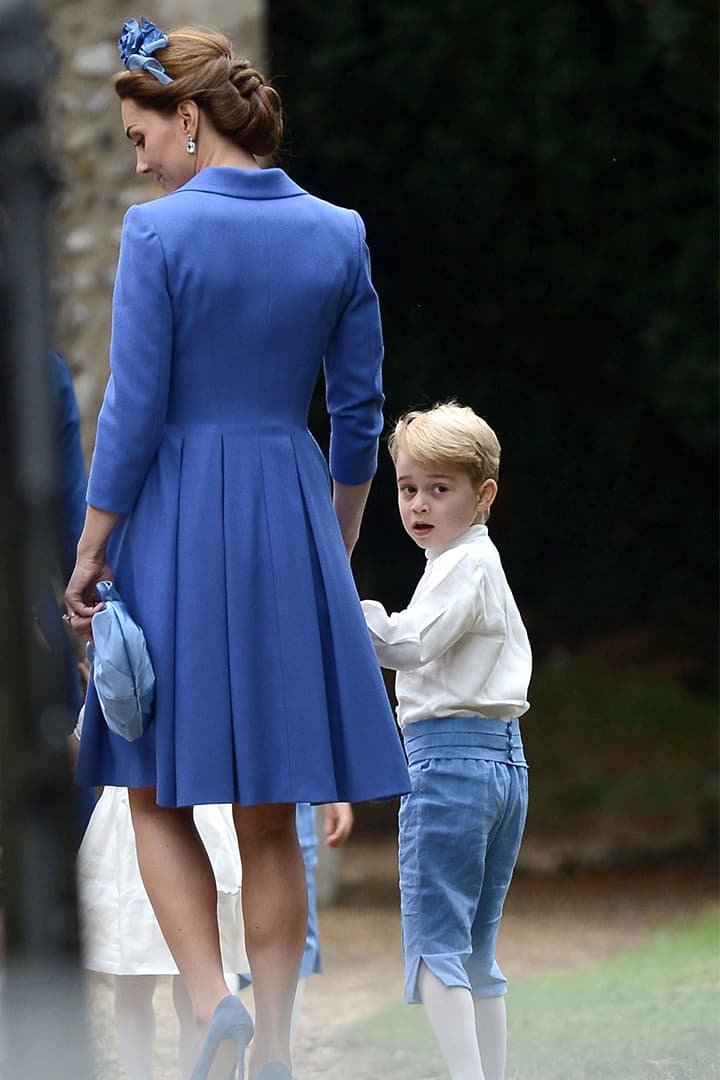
column 463, row 661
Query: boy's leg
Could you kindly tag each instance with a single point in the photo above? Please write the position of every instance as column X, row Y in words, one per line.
column 135, row 1024
column 491, row 1027
column 488, row 982
column 444, row 828
column 452, row 1017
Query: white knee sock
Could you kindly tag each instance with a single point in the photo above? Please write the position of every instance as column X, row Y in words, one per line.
column 297, row 1008
column 452, row 1016
column 135, row 1024
column 491, row 1026
column 187, row 1039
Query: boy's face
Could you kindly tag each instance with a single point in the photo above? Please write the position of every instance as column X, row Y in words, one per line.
column 438, row 503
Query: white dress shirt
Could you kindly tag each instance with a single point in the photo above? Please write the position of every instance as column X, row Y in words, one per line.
column 460, row 648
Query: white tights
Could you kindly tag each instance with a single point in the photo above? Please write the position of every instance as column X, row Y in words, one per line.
column 471, row 1032
column 297, row 1008
column 135, row 1024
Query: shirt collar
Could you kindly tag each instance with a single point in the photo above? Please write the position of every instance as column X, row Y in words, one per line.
column 473, row 533
column 243, row 183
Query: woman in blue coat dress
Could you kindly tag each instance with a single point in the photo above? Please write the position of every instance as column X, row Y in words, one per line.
column 211, row 506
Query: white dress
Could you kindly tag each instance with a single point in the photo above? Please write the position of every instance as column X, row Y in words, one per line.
column 119, row 932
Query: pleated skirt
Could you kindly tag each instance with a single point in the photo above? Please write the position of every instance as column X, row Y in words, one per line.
column 268, row 688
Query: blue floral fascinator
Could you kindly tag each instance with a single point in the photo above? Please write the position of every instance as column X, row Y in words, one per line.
column 137, row 43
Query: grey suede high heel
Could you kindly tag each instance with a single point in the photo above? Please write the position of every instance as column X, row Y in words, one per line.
column 232, row 1021
column 274, row 1070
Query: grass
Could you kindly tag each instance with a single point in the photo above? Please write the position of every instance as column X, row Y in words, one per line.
column 648, row 1014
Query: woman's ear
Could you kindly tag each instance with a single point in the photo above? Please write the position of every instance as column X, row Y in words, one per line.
column 188, row 113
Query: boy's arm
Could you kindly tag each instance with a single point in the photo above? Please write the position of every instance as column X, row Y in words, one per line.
column 446, row 611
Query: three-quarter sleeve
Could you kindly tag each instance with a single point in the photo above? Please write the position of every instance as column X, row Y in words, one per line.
column 353, row 379
column 446, row 607
column 132, row 417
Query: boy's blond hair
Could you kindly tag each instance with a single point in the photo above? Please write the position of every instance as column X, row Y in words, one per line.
column 448, row 434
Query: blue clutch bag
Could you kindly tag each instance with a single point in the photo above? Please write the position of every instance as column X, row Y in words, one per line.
column 120, row 666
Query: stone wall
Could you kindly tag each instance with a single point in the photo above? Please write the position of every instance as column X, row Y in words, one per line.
column 97, row 166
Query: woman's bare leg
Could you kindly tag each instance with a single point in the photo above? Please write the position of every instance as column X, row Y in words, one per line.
column 275, row 915
column 180, row 883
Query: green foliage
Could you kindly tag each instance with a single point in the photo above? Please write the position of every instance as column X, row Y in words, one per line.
column 632, row 750
column 648, row 1014
column 537, row 183
column 623, row 764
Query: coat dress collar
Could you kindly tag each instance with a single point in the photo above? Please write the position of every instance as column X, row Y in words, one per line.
column 243, row 183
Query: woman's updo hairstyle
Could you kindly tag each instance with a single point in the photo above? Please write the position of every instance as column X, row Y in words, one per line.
column 236, row 98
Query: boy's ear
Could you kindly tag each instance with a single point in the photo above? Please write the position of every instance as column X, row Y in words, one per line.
column 486, row 495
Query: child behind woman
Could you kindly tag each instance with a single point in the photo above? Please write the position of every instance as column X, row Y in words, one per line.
column 120, row 934
column 463, row 661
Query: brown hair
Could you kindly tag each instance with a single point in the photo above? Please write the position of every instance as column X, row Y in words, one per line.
column 235, row 97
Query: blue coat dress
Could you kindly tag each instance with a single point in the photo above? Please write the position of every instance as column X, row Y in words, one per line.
column 231, row 294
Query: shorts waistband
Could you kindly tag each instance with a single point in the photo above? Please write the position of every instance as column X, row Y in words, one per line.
column 479, row 737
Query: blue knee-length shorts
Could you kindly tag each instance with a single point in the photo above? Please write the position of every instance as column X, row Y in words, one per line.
column 460, row 833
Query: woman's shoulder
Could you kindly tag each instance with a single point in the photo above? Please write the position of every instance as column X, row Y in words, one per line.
column 141, row 220
column 343, row 219
column 178, row 208
column 149, row 214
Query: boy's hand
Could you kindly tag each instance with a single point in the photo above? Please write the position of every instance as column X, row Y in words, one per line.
column 339, row 820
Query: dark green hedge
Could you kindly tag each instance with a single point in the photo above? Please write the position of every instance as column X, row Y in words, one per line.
column 539, row 187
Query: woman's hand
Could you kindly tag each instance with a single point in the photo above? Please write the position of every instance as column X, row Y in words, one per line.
column 349, row 503
column 80, row 598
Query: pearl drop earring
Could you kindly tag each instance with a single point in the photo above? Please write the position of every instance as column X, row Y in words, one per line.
column 190, row 145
